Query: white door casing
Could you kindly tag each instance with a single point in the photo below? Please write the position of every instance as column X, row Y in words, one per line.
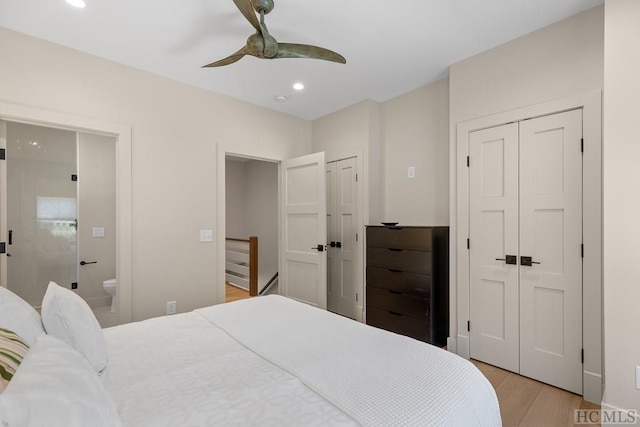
column 551, row 233
column 539, row 190
column 343, row 211
column 493, row 204
column 332, row 255
column 304, row 230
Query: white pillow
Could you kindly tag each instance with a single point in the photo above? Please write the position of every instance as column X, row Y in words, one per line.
column 55, row 386
column 68, row 317
column 18, row 316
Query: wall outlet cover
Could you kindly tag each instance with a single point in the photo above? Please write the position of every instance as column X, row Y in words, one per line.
column 171, row 307
column 97, row 232
column 411, row 172
column 638, row 377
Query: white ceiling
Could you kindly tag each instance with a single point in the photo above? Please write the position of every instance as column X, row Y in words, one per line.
column 391, row 47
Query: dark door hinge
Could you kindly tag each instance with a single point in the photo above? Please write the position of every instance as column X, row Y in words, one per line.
column 3, row 248
column 468, row 161
column 582, row 250
column 582, row 355
column 356, row 237
column 582, row 145
column 468, row 325
column 3, row 154
column 468, row 244
column 356, row 177
column 74, row 177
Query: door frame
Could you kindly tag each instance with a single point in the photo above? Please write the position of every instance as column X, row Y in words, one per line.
column 222, row 151
column 591, row 104
column 124, row 215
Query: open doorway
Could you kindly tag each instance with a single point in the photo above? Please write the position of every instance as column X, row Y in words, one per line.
column 59, row 214
column 251, row 200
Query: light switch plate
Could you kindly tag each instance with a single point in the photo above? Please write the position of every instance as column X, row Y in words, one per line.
column 638, row 377
column 97, row 232
column 411, row 172
column 206, row 236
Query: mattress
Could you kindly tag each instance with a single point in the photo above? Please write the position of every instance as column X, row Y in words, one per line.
column 275, row 361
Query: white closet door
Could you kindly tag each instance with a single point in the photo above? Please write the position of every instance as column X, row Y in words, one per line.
column 341, row 223
column 346, row 204
column 332, row 236
column 551, row 234
column 493, row 204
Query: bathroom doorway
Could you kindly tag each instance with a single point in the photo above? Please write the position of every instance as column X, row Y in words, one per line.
column 59, row 212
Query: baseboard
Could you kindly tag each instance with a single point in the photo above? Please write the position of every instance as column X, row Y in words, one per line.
column 620, row 416
column 592, row 387
column 452, row 345
column 463, row 346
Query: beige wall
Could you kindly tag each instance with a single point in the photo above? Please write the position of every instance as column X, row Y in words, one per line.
column 235, row 203
column 562, row 60
column 355, row 131
column 96, row 208
column 175, row 129
column 621, row 205
column 415, row 132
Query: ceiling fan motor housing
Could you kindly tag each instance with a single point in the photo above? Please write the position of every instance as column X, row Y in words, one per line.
column 265, row 6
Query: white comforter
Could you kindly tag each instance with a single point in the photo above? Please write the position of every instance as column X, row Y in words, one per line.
column 274, row 361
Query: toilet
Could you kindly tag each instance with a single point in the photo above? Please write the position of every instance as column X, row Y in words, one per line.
column 111, row 288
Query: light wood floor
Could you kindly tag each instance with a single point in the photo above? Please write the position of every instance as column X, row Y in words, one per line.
column 525, row 402
column 234, row 293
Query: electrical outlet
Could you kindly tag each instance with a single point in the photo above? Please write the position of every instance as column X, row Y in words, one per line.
column 411, row 172
column 171, row 307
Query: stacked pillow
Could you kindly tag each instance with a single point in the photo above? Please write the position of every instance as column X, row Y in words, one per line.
column 12, row 351
column 52, row 378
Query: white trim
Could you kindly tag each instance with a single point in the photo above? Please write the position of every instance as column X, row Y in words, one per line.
column 222, row 151
column 591, row 104
column 124, row 205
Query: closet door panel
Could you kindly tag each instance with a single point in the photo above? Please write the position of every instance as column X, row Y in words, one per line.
column 551, row 234
column 493, row 184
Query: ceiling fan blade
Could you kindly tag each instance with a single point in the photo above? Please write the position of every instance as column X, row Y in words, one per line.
column 246, row 7
column 228, row 60
column 293, row 50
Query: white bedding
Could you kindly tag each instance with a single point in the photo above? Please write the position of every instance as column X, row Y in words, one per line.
column 274, row 361
column 183, row 371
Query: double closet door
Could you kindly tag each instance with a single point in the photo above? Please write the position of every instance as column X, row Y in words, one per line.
column 341, row 236
column 525, row 249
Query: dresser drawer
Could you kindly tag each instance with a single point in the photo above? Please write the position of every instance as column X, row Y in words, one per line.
column 400, row 260
column 418, row 239
column 407, row 305
column 399, row 281
column 399, row 324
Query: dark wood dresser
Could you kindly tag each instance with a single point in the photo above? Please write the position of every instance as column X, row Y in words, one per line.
column 408, row 281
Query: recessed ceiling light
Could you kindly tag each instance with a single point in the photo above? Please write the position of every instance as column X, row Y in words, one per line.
column 280, row 99
column 77, row 3
column 298, row 86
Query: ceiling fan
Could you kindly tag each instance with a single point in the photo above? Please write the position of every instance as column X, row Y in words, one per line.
column 261, row 44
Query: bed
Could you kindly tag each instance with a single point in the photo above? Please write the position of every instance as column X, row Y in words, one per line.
column 269, row 361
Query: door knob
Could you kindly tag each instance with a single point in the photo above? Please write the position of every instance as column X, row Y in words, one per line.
column 319, row 248
column 527, row 261
column 509, row 259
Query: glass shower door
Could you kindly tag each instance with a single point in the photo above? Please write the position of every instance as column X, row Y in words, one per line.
column 40, row 208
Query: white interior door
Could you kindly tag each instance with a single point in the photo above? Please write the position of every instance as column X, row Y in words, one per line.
column 332, row 236
column 342, row 292
column 551, row 234
column 493, row 204
column 304, row 230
